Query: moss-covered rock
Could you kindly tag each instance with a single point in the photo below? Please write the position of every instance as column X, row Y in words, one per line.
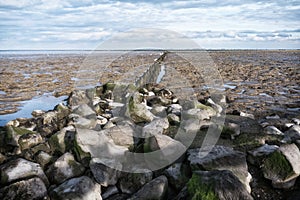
column 14, row 133
column 199, row 191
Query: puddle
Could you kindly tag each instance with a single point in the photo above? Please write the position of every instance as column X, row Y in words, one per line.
column 45, row 102
column 2, row 92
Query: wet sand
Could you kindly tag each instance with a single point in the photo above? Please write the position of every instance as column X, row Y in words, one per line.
column 260, row 82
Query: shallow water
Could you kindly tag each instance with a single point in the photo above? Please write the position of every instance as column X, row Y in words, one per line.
column 45, row 102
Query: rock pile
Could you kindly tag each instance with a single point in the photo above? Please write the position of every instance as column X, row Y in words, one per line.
column 122, row 142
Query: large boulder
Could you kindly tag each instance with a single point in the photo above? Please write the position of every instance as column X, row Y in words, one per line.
column 221, row 158
column 157, row 126
column 65, row 167
column 154, row 190
column 62, row 140
column 85, row 111
column 215, row 185
column 14, row 133
column 121, row 135
column 93, row 144
column 21, row 169
column 29, row 140
column 81, row 188
column 33, row 188
column 282, row 166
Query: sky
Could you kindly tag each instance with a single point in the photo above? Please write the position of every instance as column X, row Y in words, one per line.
column 212, row 24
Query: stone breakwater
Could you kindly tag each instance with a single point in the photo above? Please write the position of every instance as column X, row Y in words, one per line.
column 83, row 150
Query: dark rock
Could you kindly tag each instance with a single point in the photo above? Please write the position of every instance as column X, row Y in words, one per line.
column 33, row 188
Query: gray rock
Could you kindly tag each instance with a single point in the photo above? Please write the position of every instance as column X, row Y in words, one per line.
column 231, row 130
column 296, row 121
column 81, row 188
column 43, row 158
column 111, row 190
column 191, row 126
column 159, row 110
column 272, row 130
column 65, row 167
column 81, row 122
column 93, row 144
column 215, row 106
column 256, row 156
column 33, row 188
column 282, row 166
column 221, row 158
column 131, row 182
column 118, row 197
column 62, row 139
column 109, row 125
column 195, row 113
column 173, row 119
column 21, row 169
column 105, row 171
column 78, row 97
column 14, row 133
column 121, row 135
column 37, row 113
column 177, row 175
column 157, row 126
column 217, row 184
column 138, row 112
column 154, row 190
column 85, row 111
column 29, row 140
column 175, row 109
column 292, row 134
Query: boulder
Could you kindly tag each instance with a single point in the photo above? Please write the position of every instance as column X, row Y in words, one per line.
column 173, row 119
column 195, row 113
column 256, row 156
column 178, row 175
column 43, row 158
column 272, row 130
column 230, row 131
column 221, row 158
column 282, row 166
column 159, row 110
column 33, row 188
column 131, row 182
column 77, row 97
column 81, row 122
column 85, row 111
column 81, row 188
column 105, row 171
column 14, row 133
column 216, row 184
column 21, row 169
column 111, row 190
column 292, row 134
column 138, row 112
column 65, row 167
column 93, row 144
column 62, row 140
column 157, row 126
column 121, row 135
column 154, row 190
column 29, row 140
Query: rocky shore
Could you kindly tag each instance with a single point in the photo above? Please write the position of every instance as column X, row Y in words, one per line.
column 158, row 141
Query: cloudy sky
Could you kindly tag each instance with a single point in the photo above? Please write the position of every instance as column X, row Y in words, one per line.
column 84, row 24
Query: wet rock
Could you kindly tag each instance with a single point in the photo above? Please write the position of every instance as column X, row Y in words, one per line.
column 216, row 184
column 21, row 169
column 272, row 130
column 33, row 188
column 85, row 111
column 157, row 126
column 131, row 182
column 29, row 140
column 62, row 140
column 256, row 156
column 221, row 158
column 105, row 171
column 37, row 113
column 137, row 111
column 65, row 167
column 178, row 175
column 282, row 166
column 81, row 188
column 154, row 190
